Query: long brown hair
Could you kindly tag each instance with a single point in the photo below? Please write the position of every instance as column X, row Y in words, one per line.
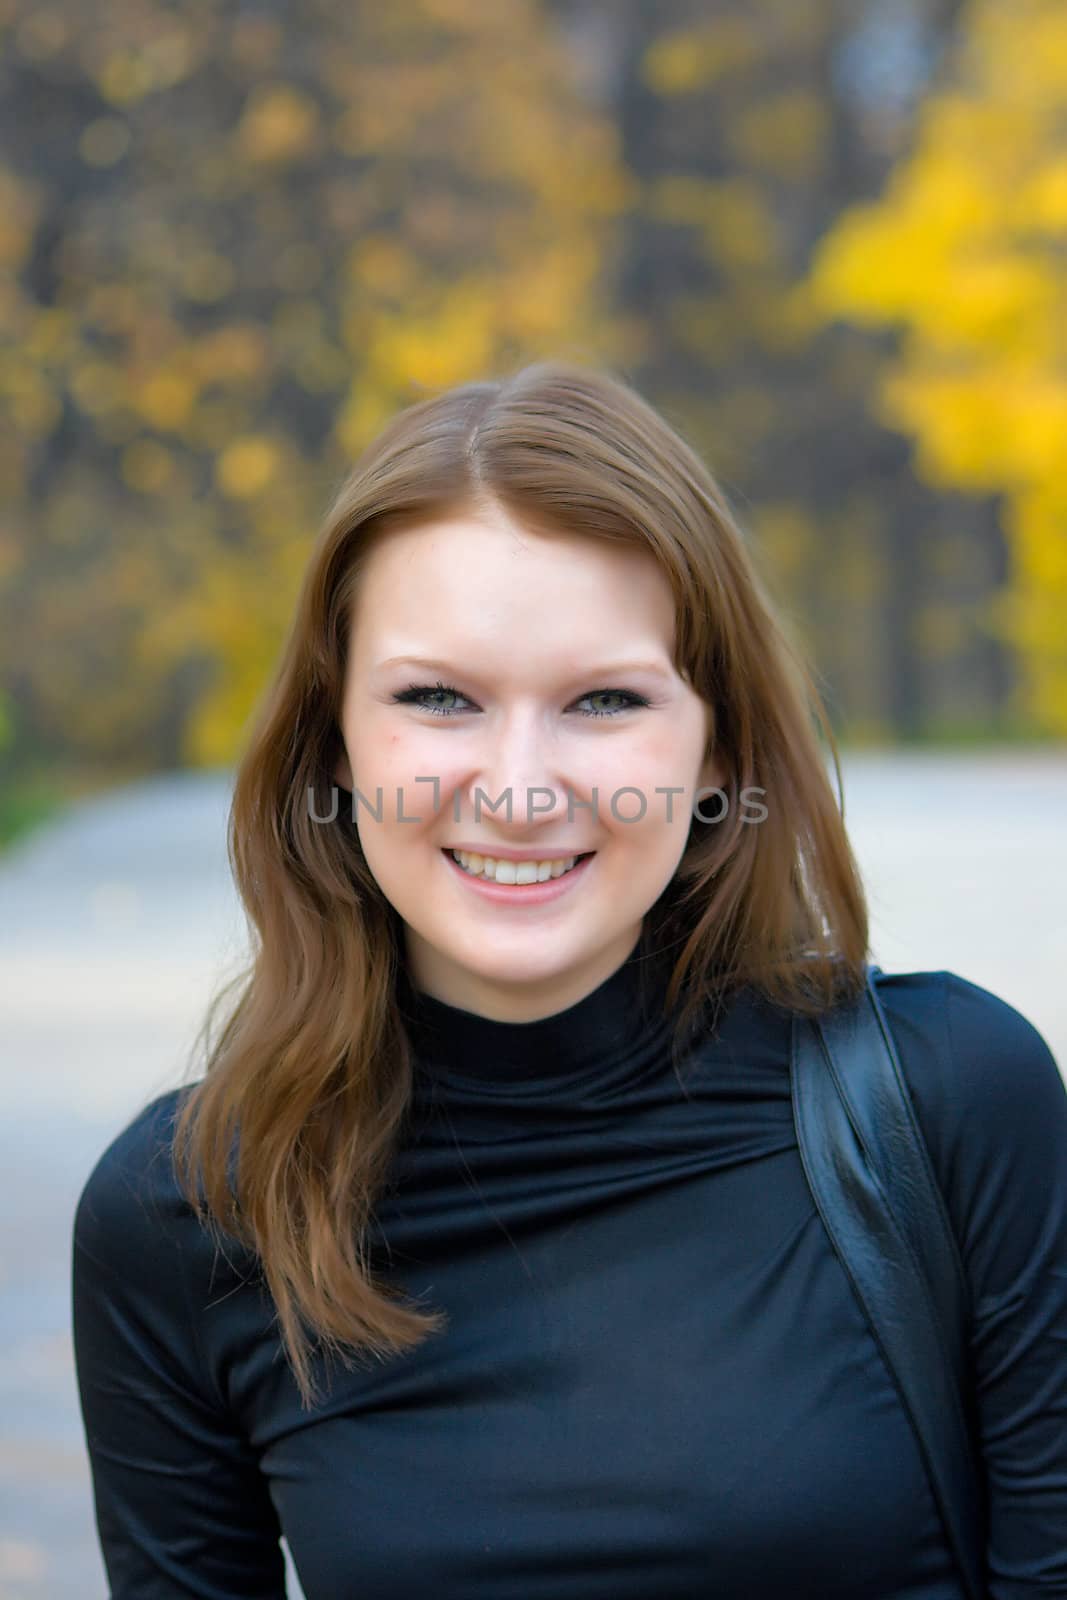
column 312, row 1073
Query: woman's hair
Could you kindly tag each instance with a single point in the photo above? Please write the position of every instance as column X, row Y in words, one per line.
column 308, row 1083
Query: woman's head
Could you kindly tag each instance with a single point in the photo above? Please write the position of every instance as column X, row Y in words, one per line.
column 513, row 692
column 523, row 534
column 554, row 548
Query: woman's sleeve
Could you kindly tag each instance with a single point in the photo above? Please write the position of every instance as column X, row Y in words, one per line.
column 1003, row 1156
column 181, row 1508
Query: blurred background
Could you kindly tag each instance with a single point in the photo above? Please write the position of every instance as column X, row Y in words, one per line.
column 828, row 240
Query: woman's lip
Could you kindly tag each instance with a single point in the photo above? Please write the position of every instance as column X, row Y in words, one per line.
column 528, row 894
column 492, row 853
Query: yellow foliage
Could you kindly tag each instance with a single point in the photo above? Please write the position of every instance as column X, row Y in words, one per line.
column 1041, row 203
column 320, row 368
column 21, row 203
column 469, row 234
column 245, row 655
column 454, row 13
column 530, row 300
column 41, row 34
column 295, row 323
column 218, row 418
column 256, row 41
column 51, row 335
column 788, row 320
column 382, row 263
column 687, row 60
column 784, row 134
column 1037, row 521
column 169, row 55
column 206, row 276
column 125, row 77
column 298, row 267
column 987, row 429
column 939, row 630
column 436, row 349
column 966, row 252
column 236, row 352
column 679, row 197
column 235, row 616
column 740, row 231
column 786, row 534
column 13, row 479
column 705, row 324
column 104, row 141
column 247, row 466
column 365, row 412
column 734, row 215
column 280, row 124
column 1022, row 48
column 147, row 466
column 166, row 399
column 112, row 306
column 33, row 404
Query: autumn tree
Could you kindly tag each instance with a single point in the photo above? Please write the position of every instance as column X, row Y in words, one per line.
column 234, row 241
column 965, row 255
column 748, row 129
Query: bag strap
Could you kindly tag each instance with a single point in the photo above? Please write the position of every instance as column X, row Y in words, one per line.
column 870, row 1175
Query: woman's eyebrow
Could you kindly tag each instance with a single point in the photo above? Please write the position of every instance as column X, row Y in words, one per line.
column 611, row 669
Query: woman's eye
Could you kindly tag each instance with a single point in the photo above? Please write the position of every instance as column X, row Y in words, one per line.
column 416, row 693
column 420, row 693
column 606, row 694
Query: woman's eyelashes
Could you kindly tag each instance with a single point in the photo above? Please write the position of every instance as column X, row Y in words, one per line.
column 416, row 694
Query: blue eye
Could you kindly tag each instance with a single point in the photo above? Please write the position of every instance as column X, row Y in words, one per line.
column 418, row 693
column 625, row 694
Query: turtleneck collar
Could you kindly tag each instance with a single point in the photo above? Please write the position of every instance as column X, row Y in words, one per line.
column 603, row 1041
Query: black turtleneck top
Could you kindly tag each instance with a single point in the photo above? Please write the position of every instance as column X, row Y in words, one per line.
column 655, row 1381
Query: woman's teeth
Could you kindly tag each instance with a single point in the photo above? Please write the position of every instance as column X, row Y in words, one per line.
column 512, row 871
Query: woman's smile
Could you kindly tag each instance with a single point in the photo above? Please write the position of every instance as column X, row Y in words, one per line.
column 545, row 886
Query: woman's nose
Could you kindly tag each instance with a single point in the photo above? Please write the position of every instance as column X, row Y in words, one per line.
column 519, row 798
column 521, row 778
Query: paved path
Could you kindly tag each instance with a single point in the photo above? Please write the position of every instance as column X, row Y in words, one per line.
column 118, row 922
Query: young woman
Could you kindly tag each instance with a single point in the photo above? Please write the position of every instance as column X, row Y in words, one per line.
column 481, row 1261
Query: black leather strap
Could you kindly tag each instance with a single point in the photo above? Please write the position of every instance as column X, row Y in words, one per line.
column 872, row 1181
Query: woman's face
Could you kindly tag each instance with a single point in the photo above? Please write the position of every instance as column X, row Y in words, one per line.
column 531, row 635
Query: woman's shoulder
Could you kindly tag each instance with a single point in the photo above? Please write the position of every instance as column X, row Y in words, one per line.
column 154, row 1313
column 989, row 1095
column 131, row 1209
column 966, row 1046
